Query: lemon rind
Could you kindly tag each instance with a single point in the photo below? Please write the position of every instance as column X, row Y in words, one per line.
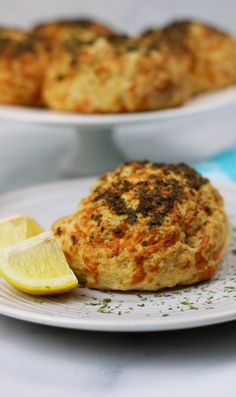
column 43, row 289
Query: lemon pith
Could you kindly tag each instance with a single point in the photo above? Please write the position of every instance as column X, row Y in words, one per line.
column 37, row 266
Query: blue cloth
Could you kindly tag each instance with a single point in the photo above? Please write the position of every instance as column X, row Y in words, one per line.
column 221, row 165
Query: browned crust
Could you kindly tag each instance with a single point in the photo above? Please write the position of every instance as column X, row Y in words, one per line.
column 156, row 195
column 23, row 61
column 56, row 31
column 74, row 23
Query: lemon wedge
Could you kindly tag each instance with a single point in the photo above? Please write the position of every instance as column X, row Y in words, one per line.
column 17, row 228
column 37, row 266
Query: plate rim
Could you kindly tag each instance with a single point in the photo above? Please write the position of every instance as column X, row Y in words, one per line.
column 104, row 324
column 149, row 325
column 217, row 100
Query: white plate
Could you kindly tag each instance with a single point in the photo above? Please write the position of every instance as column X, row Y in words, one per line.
column 207, row 303
column 201, row 104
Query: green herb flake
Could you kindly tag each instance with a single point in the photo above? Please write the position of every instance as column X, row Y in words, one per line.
column 105, row 301
column 185, row 303
column 38, row 300
column 102, row 310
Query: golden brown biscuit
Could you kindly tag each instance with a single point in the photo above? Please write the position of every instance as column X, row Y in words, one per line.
column 114, row 74
column 23, row 60
column 62, row 30
column 11, row 33
column 146, row 226
column 208, row 54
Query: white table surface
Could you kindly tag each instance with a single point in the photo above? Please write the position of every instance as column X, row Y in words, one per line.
column 46, row 362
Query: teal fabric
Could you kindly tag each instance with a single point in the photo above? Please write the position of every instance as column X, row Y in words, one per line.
column 222, row 165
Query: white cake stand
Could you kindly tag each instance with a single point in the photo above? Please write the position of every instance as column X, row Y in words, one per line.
column 94, row 150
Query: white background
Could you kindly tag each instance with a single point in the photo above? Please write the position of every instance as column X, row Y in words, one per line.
column 128, row 15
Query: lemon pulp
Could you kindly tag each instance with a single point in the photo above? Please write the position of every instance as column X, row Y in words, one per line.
column 37, row 266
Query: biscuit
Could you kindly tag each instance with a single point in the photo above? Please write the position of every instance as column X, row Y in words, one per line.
column 59, row 31
column 114, row 74
column 23, row 60
column 146, row 226
column 208, row 54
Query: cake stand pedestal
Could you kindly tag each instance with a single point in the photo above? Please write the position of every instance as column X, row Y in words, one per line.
column 94, row 152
